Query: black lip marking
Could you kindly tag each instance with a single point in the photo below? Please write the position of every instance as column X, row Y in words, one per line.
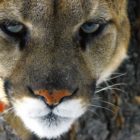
column 8, row 88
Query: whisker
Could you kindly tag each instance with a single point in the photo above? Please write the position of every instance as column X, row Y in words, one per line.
column 117, row 73
column 109, row 103
column 117, row 90
column 109, row 87
column 115, row 77
column 102, row 108
column 118, row 84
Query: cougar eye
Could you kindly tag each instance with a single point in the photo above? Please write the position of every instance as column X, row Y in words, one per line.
column 16, row 31
column 90, row 27
column 13, row 28
column 88, row 31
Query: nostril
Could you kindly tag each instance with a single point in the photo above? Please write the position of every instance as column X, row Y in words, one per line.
column 75, row 91
column 41, row 98
column 31, row 92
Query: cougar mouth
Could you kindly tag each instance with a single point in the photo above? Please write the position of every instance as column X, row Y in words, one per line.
column 46, row 122
column 43, row 120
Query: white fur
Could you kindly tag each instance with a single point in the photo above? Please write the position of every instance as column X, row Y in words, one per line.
column 2, row 92
column 71, row 108
column 31, row 110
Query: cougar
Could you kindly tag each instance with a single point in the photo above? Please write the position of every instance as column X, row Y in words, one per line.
column 53, row 54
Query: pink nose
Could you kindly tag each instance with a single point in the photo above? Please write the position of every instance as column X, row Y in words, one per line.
column 53, row 98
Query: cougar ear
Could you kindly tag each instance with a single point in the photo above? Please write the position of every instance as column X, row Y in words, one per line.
column 3, row 100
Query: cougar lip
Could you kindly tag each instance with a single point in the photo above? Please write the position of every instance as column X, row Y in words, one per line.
column 8, row 88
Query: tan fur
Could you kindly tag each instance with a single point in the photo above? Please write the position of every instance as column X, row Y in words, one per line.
column 52, row 55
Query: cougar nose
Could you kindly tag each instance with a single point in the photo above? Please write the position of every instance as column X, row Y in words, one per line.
column 52, row 98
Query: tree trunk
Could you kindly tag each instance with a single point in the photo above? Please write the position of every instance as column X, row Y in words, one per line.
column 118, row 117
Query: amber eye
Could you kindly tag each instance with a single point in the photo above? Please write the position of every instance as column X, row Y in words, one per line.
column 90, row 27
column 13, row 28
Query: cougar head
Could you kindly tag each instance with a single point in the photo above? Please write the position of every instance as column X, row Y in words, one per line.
column 53, row 54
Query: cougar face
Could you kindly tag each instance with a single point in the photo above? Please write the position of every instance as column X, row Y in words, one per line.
column 53, row 53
